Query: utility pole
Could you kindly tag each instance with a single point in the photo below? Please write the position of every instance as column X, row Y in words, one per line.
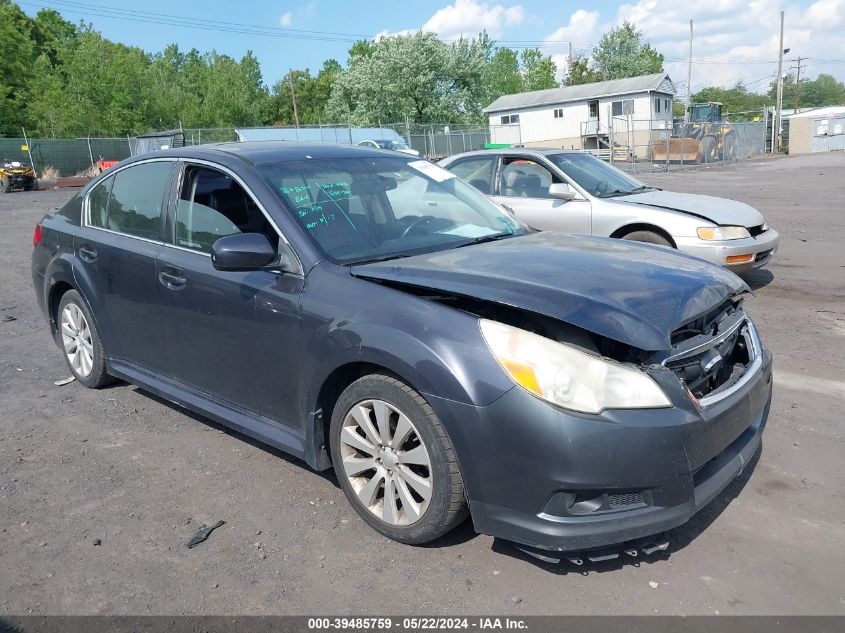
column 779, row 102
column 689, row 75
column 797, row 100
column 293, row 98
column 569, row 66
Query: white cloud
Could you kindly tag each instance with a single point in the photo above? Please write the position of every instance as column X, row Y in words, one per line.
column 734, row 39
column 583, row 27
column 387, row 33
column 304, row 11
column 468, row 17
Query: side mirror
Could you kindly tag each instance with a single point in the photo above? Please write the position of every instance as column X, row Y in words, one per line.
column 242, row 252
column 562, row 191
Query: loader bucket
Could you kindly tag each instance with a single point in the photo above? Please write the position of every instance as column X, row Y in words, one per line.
column 686, row 150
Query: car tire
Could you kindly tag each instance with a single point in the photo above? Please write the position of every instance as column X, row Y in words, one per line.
column 421, row 474
column 709, row 149
column 80, row 340
column 649, row 237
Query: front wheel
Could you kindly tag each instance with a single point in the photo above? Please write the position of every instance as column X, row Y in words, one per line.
column 395, row 462
column 649, row 237
column 81, row 343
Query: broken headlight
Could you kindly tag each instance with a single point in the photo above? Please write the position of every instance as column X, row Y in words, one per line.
column 714, row 233
column 567, row 376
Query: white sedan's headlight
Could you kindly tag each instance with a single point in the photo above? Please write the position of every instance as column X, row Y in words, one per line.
column 568, row 377
column 714, row 233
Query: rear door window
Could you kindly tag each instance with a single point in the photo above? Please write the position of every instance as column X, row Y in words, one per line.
column 135, row 200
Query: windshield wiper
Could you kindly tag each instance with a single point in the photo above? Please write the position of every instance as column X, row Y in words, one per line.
column 485, row 238
column 376, row 259
column 622, row 192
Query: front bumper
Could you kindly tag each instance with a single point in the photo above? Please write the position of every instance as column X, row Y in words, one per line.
column 524, row 461
column 761, row 248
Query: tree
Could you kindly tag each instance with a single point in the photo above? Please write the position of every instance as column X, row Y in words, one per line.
column 501, row 75
column 824, row 90
column 416, row 76
column 581, row 72
column 16, row 56
column 733, row 100
column 623, row 53
column 312, row 94
column 538, row 70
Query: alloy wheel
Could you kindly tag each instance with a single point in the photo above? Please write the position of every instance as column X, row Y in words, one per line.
column 386, row 462
column 76, row 338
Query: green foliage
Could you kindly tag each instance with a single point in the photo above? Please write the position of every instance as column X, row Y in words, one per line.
column 312, row 95
column 16, row 56
column 621, row 53
column 416, row 76
column 733, row 100
column 581, row 72
column 538, row 70
column 824, row 90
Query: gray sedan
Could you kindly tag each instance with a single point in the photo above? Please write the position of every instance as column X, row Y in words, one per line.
column 572, row 191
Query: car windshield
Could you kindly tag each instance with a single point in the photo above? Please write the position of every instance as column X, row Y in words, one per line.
column 596, row 176
column 394, row 145
column 370, row 209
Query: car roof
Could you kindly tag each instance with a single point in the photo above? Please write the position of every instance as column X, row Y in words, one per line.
column 260, row 152
column 523, row 151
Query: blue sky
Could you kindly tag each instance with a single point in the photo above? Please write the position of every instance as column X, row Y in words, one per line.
column 735, row 39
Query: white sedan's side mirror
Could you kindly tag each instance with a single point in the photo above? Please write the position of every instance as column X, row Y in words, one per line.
column 562, row 191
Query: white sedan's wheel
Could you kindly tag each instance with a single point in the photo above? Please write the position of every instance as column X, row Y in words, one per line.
column 76, row 338
column 386, row 462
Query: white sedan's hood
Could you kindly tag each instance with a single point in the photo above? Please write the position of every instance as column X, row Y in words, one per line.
column 718, row 210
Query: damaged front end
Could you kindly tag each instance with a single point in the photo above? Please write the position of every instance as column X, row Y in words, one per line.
column 712, row 356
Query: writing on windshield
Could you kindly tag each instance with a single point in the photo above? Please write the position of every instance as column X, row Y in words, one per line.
column 320, row 204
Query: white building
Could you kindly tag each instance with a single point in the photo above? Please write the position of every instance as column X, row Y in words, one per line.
column 636, row 111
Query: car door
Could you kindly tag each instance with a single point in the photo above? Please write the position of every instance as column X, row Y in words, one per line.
column 232, row 335
column 115, row 264
column 522, row 184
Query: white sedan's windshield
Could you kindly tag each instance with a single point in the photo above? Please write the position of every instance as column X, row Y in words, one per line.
column 364, row 209
column 596, row 176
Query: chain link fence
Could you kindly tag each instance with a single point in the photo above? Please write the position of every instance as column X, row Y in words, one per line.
column 634, row 144
column 649, row 145
column 68, row 157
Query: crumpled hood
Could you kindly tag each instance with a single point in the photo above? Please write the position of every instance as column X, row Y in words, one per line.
column 719, row 210
column 633, row 293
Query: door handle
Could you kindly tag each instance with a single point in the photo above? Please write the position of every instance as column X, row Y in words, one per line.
column 172, row 280
column 87, row 253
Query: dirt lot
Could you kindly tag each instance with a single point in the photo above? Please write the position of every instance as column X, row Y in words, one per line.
column 123, row 469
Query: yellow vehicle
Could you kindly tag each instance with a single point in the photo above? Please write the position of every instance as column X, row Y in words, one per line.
column 706, row 138
column 15, row 176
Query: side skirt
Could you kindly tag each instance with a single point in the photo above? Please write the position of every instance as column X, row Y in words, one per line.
column 255, row 426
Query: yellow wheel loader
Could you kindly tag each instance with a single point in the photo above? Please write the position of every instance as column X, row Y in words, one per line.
column 706, row 138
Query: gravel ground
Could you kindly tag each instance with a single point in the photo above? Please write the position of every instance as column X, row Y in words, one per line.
column 101, row 489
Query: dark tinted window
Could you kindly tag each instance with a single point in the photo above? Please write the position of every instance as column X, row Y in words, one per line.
column 98, row 203
column 476, row 171
column 212, row 205
column 136, row 199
